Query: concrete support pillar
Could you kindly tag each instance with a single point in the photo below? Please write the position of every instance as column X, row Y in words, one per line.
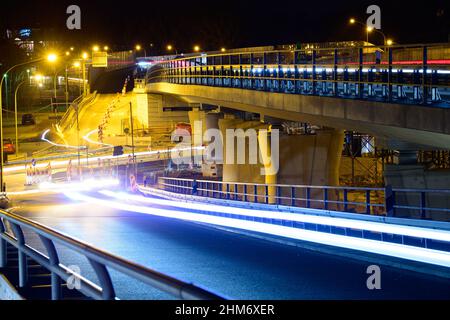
column 311, row 159
column 248, row 171
column 141, row 109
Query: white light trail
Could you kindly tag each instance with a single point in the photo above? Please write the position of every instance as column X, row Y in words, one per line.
column 430, row 256
column 440, row 235
column 44, row 138
column 88, row 139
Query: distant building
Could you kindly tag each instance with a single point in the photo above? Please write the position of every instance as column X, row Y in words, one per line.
column 31, row 39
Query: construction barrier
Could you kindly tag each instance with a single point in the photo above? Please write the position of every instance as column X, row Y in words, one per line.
column 35, row 175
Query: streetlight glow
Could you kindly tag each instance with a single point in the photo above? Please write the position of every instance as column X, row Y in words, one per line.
column 352, row 21
column 196, row 48
column 389, row 42
column 169, row 47
column 96, row 48
column 138, row 47
column 85, row 55
column 52, row 57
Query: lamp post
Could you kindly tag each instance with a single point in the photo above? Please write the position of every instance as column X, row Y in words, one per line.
column 139, row 48
column 353, row 21
column 50, row 58
column 170, row 48
column 369, row 29
column 16, row 119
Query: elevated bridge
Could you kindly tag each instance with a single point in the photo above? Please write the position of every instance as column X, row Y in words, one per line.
column 399, row 94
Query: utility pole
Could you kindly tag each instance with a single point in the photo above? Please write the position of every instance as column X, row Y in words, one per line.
column 16, row 117
column 67, row 89
column 78, row 142
column 132, row 137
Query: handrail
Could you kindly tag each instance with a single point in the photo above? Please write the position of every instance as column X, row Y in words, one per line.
column 379, row 201
column 237, row 53
column 100, row 261
column 278, row 185
column 405, row 74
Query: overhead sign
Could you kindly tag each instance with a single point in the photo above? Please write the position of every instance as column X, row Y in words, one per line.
column 100, row 59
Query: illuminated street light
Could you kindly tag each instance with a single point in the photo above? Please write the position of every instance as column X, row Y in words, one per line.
column 369, row 29
column 196, row 48
column 85, row 55
column 223, row 50
column 169, row 47
column 106, row 48
column 72, row 48
column 389, row 42
column 77, row 64
column 96, row 48
column 138, row 48
column 67, row 53
column 52, row 57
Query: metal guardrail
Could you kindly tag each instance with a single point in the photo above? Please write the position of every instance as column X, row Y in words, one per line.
column 376, row 201
column 99, row 260
column 415, row 74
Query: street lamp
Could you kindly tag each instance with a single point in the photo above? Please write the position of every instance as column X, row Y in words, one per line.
column 196, row 48
column 369, row 29
column 96, row 48
column 50, row 58
column 84, row 57
column 16, row 120
column 223, row 50
column 139, row 48
column 354, row 21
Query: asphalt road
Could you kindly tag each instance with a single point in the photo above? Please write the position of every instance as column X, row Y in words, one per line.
column 237, row 266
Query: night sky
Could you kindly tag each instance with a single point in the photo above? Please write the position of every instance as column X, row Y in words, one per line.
column 214, row 24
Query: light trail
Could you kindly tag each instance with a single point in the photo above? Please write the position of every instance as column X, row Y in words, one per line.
column 88, row 139
column 429, row 256
column 440, row 235
column 44, row 138
column 61, row 163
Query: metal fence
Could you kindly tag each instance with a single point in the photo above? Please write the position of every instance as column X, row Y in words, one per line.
column 11, row 231
column 415, row 74
column 386, row 201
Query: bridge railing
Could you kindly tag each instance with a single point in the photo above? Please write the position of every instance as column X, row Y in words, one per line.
column 12, row 231
column 416, row 74
column 416, row 203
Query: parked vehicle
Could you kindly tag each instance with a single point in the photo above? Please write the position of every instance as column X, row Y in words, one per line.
column 28, row 119
column 8, row 146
